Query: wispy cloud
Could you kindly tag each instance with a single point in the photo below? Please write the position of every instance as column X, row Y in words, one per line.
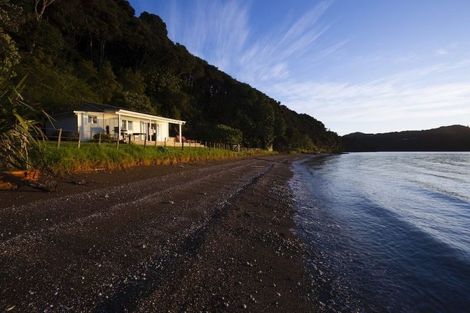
column 214, row 30
column 405, row 100
column 280, row 63
column 220, row 32
column 442, row 51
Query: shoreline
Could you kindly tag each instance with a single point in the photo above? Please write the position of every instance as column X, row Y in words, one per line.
column 194, row 237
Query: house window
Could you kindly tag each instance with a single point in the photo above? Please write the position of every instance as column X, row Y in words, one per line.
column 92, row 119
column 129, row 125
column 123, row 124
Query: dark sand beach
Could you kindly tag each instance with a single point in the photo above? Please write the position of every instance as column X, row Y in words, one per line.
column 200, row 237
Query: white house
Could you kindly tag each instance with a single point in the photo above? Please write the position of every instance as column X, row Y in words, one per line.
column 92, row 119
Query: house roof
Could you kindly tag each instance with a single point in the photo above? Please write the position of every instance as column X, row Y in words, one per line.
column 97, row 107
column 107, row 108
column 149, row 116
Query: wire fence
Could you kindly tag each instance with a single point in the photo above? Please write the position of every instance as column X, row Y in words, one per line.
column 59, row 136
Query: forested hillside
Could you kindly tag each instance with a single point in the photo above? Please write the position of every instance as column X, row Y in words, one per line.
column 75, row 51
column 449, row 138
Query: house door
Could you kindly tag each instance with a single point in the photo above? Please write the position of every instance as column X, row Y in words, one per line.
column 153, row 132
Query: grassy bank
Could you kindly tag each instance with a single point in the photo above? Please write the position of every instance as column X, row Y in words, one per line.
column 68, row 158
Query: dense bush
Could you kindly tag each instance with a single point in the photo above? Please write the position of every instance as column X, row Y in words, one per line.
column 99, row 51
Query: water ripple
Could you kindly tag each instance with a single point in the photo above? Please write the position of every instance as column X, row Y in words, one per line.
column 387, row 232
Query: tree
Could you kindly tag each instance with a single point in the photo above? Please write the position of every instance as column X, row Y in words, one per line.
column 132, row 81
column 135, row 101
column 220, row 134
column 9, row 57
column 9, row 54
column 107, row 84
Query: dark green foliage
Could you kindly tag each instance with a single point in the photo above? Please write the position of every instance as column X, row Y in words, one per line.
column 19, row 135
column 220, row 134
column 134, row 101
column 99, row 51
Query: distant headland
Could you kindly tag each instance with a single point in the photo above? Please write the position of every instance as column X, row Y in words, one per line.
column 446, row 138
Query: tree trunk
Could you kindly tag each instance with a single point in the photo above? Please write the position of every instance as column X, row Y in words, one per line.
column 102, row 48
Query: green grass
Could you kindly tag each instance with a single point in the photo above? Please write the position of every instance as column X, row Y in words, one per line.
column 69, row 158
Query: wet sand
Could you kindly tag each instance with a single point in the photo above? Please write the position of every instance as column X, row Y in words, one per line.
column 210, row 237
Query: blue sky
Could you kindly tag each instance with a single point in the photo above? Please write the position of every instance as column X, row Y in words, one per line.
column 363, row 65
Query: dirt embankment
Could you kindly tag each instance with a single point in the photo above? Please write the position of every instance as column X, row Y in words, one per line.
column 212, row 237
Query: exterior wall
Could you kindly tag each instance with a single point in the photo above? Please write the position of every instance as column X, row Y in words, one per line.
column 88, row 124
column 141, row 126
column 109, row 122
column 92, row 123
column 163, row 131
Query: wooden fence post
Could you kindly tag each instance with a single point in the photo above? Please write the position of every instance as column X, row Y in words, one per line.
column 79, row 140
column 99, row 139
column 59, row 138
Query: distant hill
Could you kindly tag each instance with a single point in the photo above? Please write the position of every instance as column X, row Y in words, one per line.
column 447, row 138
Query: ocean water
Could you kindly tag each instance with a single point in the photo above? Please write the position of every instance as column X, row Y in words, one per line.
column 386, row 232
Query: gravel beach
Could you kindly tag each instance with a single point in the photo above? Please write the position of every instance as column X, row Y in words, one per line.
column 210, row 237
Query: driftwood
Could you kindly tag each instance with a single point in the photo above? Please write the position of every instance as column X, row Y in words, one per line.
column 16, row 179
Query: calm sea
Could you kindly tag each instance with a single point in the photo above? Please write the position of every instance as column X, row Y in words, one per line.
column 387, row 232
